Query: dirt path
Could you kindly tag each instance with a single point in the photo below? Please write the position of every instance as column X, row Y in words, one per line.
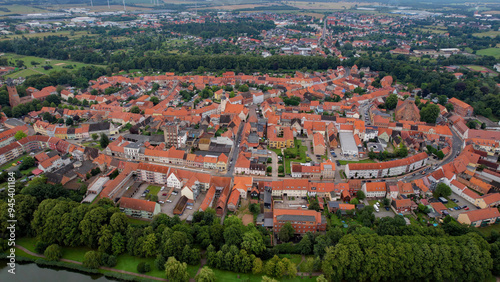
column 102, row 267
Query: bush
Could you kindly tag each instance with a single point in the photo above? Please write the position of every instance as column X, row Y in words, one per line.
column 111, row 261
column 41, row 246
column 143, row 267
column 53, row 252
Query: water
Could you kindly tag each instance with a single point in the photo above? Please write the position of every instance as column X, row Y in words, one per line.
column 33, row 272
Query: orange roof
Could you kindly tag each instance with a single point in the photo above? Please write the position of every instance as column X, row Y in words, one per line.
column 481, row 214
column 375, row 186
column 137, row 204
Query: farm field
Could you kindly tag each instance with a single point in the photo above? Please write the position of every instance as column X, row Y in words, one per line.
column 326, row 5
column 495, row 52
column 491, row 33
column 19, row 9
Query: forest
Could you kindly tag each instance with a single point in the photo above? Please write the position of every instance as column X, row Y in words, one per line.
column 215, row 29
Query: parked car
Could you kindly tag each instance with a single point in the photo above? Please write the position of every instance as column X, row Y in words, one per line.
column 386, row 208
column 161, row 202
column 164, row 194
column 168, row 201
column 463, row 207
column 189, row 208
column 467, row 208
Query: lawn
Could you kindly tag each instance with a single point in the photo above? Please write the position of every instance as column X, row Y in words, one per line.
column 153, row 189
column 450, row 204
column 342, row 162
column 57, row 65
column 342, row 174
column 137, row 221
column 20, row 9
column 92, row 144
column 28, row 171
column 335, row 221
column 27, row 242
column 487, row 230
column 372, row 202
column 223, row 276
column 9, row 164
column 294, row 258
column 495, row 52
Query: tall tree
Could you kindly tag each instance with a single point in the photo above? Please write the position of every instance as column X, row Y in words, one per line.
column 206, row 275
column 286, row 232
column 176, row 271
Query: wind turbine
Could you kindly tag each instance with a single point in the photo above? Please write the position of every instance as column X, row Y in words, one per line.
column 124, row 8
column 108, row 5
column 91, row 3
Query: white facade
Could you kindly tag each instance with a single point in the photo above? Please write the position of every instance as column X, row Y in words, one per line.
column 173, row 181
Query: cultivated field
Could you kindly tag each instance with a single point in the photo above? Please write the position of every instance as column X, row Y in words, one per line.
column 495, row 52
column 326, row 5
column 19, row 9
column 491, row 33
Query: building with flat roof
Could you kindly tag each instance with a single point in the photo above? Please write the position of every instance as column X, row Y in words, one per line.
column 348, row 144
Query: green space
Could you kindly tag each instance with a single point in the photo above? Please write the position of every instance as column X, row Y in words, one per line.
column 495, row 52
column 75, row 253
column 491, row 33
column 372, row 202
column 343, row 162
column 450, row 204
column 137, row 221
column 28, row 171
column 20, row 9
column 299, row 151
column 433, row 29
column 335, row 221
column 487, row 230
column 9, row 164
column 92, row 144
column 56, row 65
column 223, row 276
column 294, row 258
column 342, row 175
column 153, row 189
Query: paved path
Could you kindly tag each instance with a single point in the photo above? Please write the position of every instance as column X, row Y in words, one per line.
column 102, row 267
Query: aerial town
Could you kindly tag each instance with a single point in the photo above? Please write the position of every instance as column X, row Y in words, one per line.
column 215, row 145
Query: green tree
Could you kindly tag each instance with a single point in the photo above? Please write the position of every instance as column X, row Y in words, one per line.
column 308, row 266
column 176, row 271
column 391, row 102
column 442, row 190
column 206, row 275
column 69, row 121
column 135, row 110
column 253, row 242
column 95, row 136
column 321, row 278
column 20, row 135
column 429, row 113
column 104, row 141
column 360, row 195
column 53, row 252
column 160, row 262
column 286, row 232
column 92, row 259
column 257, row 266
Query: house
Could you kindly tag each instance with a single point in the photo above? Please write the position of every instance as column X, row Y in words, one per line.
column 390, row 168
column 480, row 218
column 302, row 221
column 139, row 208
column 403, row 205
column 319, row 144
column 334, row 206
column 407, row 110
column 374, row 189
column 488, row 200
column 234, row 200
column 461, row 108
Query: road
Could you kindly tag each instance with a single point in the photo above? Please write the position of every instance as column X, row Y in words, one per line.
column 234, row 154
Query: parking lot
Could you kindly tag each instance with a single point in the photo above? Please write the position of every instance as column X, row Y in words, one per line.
column 290, row 203
column 461, row 202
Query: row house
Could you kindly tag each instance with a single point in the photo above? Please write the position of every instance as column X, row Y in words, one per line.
column 389, row 169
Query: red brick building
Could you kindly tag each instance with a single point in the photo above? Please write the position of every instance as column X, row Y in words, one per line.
column 461, row 108
column 302, row 220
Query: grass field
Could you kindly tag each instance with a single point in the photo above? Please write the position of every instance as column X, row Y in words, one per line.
column 153, row 189
column 491, row 33
column 65, row 33
column 487, row 230
column 342, row 162
column 229, row 276
column 326, row 5
column 434, row 29
column 495, row 52
column 20, row 9
column 57, row 65
column 235, row 7
column 294, row 258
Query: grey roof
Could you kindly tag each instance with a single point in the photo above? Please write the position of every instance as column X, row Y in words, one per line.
column 347, row 141
column 100, row 126
column 289, row 217
column 14, row 122
column 134, row 145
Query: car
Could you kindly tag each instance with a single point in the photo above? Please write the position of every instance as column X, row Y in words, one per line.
column 189, row 208
column 451, row 209
column 162, row 188
column 304, row 206
column 161, row 202
column 168, row 201
column 413, row 174
column 458, row 208
column 174, row 193
column 386, row 208
column 164, row 194
column 143, row 195
column 463, row 207
column 467, row 208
